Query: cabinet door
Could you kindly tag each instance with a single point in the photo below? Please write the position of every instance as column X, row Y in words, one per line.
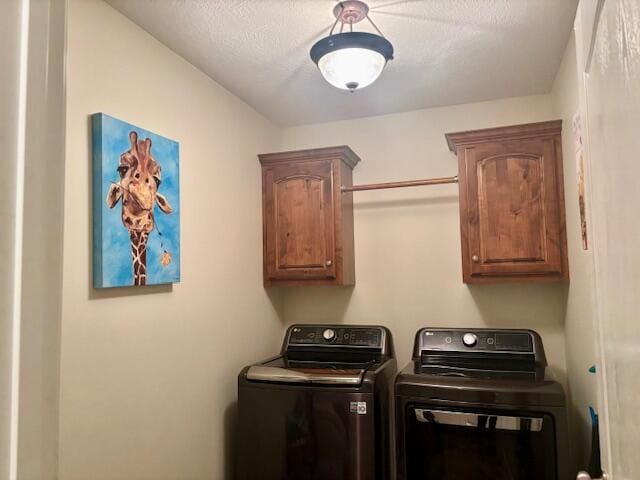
column 299, row 221
column 513, row 211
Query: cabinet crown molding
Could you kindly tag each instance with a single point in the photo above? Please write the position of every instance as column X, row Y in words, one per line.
column 343, row 152
column 513, row 132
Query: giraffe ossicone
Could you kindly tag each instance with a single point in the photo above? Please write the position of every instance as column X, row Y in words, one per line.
column 137, row 190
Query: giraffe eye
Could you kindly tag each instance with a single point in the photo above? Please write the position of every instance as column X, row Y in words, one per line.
column 122, row 170
column 158, row 181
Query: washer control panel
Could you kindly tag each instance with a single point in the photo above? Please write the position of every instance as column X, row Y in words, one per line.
column 334, row 335
column 460, row 340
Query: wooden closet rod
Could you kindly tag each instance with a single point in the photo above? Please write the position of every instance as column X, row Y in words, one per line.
column 407, row 183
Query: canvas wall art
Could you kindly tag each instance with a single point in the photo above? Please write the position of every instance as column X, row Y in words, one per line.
column 582, row 197
column 136, row 205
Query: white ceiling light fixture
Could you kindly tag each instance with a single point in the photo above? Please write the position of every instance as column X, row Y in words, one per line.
column 351, row 60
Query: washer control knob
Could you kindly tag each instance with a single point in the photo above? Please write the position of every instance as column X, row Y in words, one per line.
column 469, row 339
column 329, row 334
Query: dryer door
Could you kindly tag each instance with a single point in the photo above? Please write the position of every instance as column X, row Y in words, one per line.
column 480, row 445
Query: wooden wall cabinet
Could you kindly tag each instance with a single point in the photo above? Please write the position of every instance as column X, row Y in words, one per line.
column 512, row 216
column 307, row 220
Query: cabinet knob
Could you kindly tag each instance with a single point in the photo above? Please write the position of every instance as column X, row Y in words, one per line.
column 475, row 259
column 329, row 262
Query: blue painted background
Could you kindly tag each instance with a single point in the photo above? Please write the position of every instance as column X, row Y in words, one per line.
column 112, row 249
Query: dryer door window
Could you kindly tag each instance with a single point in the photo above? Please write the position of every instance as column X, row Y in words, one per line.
column 480, row 445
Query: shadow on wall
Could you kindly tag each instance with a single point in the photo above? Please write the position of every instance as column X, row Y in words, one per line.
column 524, row 305
column 578, row 429
column 230, row 439
column 276, row 297
column 407, row 202
column 325, row 304
column 96, row 294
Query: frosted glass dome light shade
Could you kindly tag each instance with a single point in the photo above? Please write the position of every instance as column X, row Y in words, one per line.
column 352, row 60
column 351, row 68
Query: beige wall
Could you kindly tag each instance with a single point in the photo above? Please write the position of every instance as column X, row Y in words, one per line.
column 42, row 245
column 408, row 266
column 579, row 322
column 32, row 141
column 9, row 93
column 148, row 376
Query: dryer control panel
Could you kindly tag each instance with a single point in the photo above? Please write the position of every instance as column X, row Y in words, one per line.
column 488, row 340
column 336, row 336
column 479, row 342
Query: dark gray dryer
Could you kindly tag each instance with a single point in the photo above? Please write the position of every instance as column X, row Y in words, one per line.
column 480, row 404
column 320, row 410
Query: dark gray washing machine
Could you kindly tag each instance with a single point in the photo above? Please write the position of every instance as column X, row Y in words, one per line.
column 480, row 404
column 321, row 409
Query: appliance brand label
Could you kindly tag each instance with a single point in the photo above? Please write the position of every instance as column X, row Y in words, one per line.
column 358, row 407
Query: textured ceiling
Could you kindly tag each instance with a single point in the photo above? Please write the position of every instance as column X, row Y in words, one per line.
column 446, row 51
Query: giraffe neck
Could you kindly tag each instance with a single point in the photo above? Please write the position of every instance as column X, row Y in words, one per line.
column 139, row 256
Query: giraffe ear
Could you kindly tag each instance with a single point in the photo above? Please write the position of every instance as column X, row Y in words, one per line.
column 163, row 203
column 113, row 195
column 133, row 138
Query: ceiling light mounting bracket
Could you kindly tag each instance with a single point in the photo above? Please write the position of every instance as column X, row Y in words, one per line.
column 351, row 11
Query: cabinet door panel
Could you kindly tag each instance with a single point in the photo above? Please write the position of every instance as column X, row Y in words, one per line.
column 513, row 223
column 300, row 234
column 511, row 209
column 300, row 239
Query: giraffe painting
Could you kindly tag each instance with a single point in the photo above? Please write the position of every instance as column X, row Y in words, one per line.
column 135, row 178
column 140, row 177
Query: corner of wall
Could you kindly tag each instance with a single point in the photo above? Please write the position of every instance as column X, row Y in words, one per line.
column 580, row 312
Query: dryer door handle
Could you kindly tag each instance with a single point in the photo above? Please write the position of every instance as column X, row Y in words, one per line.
column 476, row 420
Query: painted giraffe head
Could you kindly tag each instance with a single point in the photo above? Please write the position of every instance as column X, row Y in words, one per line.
column 140, row 177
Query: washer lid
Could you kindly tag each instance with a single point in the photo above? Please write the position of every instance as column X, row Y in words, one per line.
column 303, row 371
